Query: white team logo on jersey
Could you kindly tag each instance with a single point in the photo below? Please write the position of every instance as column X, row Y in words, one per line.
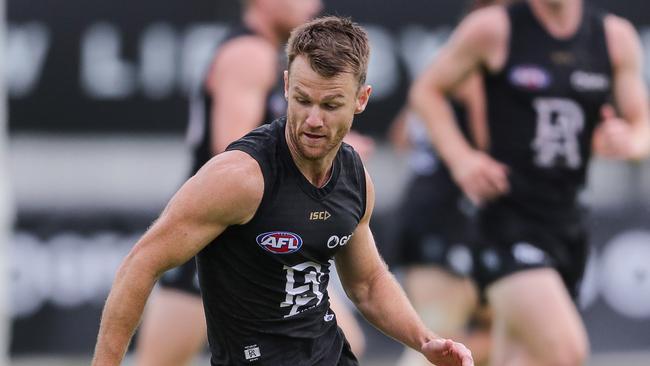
column 303, row 287
column 559, row 122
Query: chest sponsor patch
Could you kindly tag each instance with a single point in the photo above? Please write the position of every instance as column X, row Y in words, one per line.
column 589, row 81
column 279, row 242
column 529, row 77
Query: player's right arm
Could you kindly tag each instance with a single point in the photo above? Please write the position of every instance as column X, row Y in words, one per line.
column 627, row 136
column 479, row 41
column 226, row 191
column 239, row 80
column 472, row 96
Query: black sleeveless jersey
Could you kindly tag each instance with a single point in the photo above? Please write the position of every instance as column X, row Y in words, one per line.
column 201, row 103
column 543, row 107
column 264, row 284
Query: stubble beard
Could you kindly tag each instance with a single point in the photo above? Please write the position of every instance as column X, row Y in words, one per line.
column 307, row 153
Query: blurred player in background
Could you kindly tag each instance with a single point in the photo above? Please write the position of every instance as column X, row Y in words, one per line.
column 255, row 216
column 434, row 236
column 549, row 67
column 242, row 90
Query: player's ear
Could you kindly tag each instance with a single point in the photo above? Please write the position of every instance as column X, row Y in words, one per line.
column 362, row 98
column 286, row 84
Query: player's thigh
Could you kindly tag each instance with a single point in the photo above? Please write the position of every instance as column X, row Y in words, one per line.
column 426, row 283
column 173, row 330
column 533, row 308
column 444, row 300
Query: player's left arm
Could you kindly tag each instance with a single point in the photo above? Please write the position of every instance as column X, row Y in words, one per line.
column 627, row 136
column 373, row 289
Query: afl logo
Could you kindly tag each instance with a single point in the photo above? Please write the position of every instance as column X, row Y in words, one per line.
column 530, row 77
column 279, row 242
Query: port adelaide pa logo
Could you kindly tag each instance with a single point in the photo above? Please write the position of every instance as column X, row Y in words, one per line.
column 279, row 242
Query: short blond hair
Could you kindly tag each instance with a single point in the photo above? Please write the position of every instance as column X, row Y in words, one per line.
column 333, row 45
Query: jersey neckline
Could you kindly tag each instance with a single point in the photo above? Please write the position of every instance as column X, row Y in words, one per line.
column 559, row 40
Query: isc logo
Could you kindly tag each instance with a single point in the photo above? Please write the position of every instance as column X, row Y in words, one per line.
column 279, row 242
column 319, row 215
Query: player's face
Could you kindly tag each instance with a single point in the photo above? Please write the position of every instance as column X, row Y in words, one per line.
column 289, row 14
column 320, row 110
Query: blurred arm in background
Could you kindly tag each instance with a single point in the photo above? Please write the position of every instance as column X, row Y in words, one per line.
column 239, row 80
column 627, row 136
column 478, row 42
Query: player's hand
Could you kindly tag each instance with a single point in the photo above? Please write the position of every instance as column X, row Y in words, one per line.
column 613, row 137
column 445, row 352
column 481, row 177
column 362, row 144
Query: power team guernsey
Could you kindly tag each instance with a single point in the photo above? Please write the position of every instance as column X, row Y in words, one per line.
column 264, row 284
column 543, row 107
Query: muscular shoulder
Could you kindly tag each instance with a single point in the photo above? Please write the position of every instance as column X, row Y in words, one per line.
column 247, row 58
column 250, row 49
column 491, row 20
column 231, row 185
column 486, row 31
column 622, row 40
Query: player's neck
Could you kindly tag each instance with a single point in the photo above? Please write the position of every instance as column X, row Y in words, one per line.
column 258, row 22
column 561, row 19
column 317, row 171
